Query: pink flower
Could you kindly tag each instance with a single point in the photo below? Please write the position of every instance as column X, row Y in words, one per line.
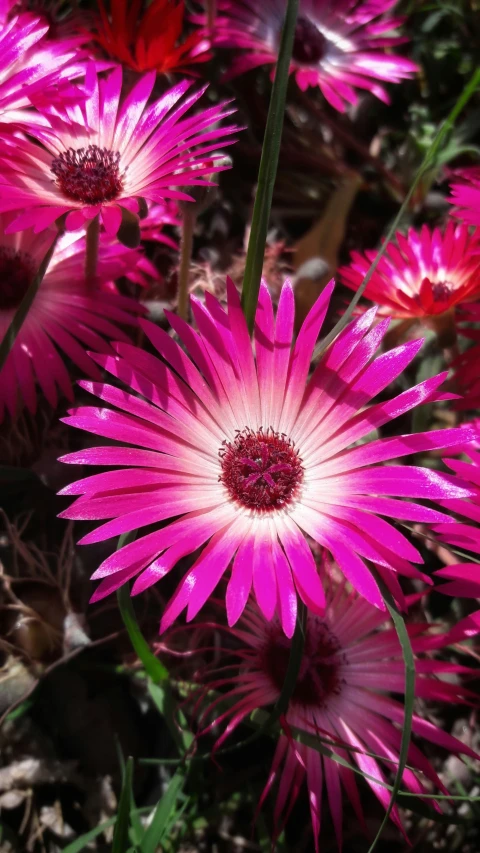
column 352, row 662
column 66, row 315
column 423, row 274
column 467, row 378
column 464, row 577
column 338, row 46
column 249, row 459
column 466, row 195
column 158, row 216
column 33, row 70
column 112, row 154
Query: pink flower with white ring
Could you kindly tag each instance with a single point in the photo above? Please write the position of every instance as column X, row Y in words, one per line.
column 113, row 153
column 339, row 45
column 250, row 458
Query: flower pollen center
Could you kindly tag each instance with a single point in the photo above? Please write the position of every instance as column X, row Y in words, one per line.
column 261, row 470
column 435, row 296
column 89, row 175
column 309, row 43
column 441, row 291
column 16, row 273
column 320, row 675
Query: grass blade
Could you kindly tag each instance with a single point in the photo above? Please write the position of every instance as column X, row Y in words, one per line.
column 164, row 815
column 409, row 662
column 120, row 836
column 268, row 168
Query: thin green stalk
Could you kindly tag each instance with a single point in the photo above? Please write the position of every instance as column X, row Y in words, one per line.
column 268, row 169
column 186, row 248
column 22, row 311
column 427, row 163
column 409, row 663
column 91, row 254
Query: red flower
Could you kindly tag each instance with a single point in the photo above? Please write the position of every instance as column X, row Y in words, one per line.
column 152, row 40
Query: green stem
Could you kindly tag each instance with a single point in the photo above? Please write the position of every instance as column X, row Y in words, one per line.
column 91, row 255
column 268, row 169
column 22, row 311
column 186, row 248
column 153, row 667
column 427, row 164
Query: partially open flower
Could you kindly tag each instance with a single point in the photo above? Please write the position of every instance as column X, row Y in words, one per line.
column 152, row 40
column 422, row 275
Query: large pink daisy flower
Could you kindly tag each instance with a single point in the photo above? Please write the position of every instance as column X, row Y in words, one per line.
column 339, row 44
column 33, row 70
column 422, row 274
column 465, row 194
column 249, row 459
column 66, row 316
column 112, row 154
column 352, row 662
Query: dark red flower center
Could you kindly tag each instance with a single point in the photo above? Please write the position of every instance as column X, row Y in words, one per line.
column 435, row 296
column 308, row 44
column 89, row 175
column 261, row 470
column 322, row 659
column 16, row 273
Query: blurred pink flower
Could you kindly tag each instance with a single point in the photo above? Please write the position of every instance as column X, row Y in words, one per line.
column 112, row 154
column 423, row 274
column 339, row 45
column 159, row 215
column 464, row 578
column 66, row 316
column 352, row 662
column 467, row 377
column 34, row 71
column 465, row 195
column 253, row 459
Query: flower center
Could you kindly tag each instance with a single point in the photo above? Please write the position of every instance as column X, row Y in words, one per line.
column 16, row 272
column 435, row 296
column 441, row 291
column 319, row 676
column 308, row 44
column 89, row 175
column 261, row 470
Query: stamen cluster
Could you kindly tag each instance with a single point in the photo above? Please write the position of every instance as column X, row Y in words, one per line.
column 261, row 470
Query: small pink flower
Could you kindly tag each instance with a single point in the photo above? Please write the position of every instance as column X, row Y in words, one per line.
column 352, row 662
column 250, row 458
column 464, row 577
column 339, row 46
column 422, row 275
column 465, row 195
column 66, row 316
column 112, row 154
column 159, row 215
column 33, row 70
column 467, row 377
